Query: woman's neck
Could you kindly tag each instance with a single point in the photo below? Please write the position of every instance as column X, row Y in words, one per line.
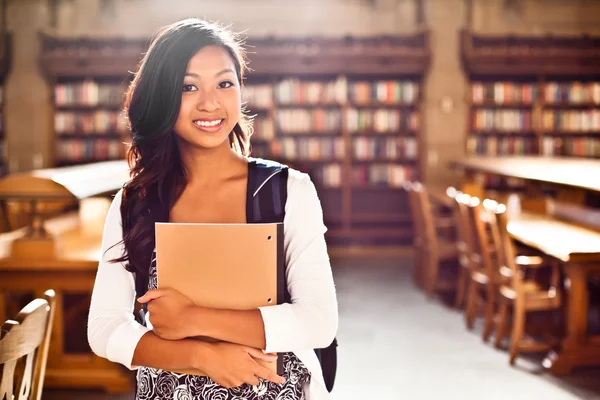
column 205, row 167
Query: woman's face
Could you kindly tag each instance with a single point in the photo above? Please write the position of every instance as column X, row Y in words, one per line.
column 210, row 99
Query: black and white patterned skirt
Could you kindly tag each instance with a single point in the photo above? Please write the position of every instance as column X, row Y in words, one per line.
column 157, row 384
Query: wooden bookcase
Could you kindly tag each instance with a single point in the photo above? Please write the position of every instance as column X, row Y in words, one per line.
column 532, row 96
column 5, row 52
column 345, row 110
column 89, row 79
column 348, row 112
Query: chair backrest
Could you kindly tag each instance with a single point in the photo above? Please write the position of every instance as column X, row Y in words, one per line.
column 423, row 205
column 506, row 247
column 26, row 338
column 480, row 219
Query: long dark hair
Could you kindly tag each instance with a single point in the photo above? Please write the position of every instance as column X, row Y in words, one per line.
column 152, row 105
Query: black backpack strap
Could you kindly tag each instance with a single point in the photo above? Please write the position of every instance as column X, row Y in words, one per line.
column 267, row 192
column 267, row 195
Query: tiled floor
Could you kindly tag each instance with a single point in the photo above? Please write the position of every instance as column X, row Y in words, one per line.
column 396, row 344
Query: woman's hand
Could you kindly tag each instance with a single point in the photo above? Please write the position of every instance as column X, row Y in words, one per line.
column 231, row 365
column 171, row 313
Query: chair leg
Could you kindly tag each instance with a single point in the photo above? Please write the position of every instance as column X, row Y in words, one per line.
column 461, row 287
column 418, row 267
column 471, row 304
column 490, row 312
column 517, row 331
column 431, row 274
column 502, row 323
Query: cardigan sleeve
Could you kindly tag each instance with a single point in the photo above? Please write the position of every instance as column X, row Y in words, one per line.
column 113, row 332
column 311, row 320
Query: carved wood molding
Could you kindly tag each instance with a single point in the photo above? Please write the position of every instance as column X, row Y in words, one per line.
column 87, row 57
column 530, row 55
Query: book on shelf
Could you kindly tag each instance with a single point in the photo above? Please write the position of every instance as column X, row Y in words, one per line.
column 573, row 93
column 571, row 120
column 298, row 120
column 571, row 147
column 382, row 121
column 310, row 92
column 504, row 120
column 503, row 93
column 88, row 93
column 501, row 145
column 299, row 148
column 84, row 123
column 388, row 92
column 381, row 174
column 389, row 148
column 88, row 150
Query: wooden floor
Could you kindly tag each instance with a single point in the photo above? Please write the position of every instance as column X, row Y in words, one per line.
column 396, row 344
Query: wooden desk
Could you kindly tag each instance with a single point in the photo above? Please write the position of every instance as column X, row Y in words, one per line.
column 579, row 250
column 73, row 272
column 567, row 171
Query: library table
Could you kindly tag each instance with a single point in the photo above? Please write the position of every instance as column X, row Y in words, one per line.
column 572, row 172
column 62, row 254
column 72, row 273
column 578, row 249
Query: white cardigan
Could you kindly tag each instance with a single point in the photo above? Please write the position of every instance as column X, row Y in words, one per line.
column 310, row 322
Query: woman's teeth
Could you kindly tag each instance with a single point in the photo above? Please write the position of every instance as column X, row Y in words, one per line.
column 208, row 123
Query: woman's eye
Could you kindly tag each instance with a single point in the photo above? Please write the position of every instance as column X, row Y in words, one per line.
column 226, row 85
column 189, row 88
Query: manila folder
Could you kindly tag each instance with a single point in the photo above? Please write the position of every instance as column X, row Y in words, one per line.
column 226, row 266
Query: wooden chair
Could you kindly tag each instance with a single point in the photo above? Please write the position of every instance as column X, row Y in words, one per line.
column 484, row 277
column 468, row 253
column 519, row 289
column 26, row 339
column 434, row 251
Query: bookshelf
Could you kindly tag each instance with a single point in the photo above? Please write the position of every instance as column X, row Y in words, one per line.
column 89, row 78
column 345, row 110
column 532, row 96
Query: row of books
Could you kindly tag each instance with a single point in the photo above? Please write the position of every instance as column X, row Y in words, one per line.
column 501, row 120
column 382, row 121
column 309, row 148
column 326, row 120
column 384, row 174
column 97, row 122
column 88, row 93
column 501, row 145
column 328, row 175
column 572, row 120
column 527, row 93
column 573, row 147
column 385, row 148
column 572, row 92
column 309, row 121
column 295, row 91
column 82, row 150
column 263, row 128
column 503, row 92
column 338, row 91
column 389, row 92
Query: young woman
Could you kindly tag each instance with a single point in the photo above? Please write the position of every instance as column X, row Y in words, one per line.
column 189, row 163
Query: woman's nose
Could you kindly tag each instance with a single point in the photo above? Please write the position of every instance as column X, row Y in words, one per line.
column 208, row 101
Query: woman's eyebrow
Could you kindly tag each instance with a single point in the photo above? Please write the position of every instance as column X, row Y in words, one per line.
column 226, row 70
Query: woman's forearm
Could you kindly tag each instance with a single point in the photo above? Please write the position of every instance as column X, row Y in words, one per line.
column 171, row 355
column 241, row 327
